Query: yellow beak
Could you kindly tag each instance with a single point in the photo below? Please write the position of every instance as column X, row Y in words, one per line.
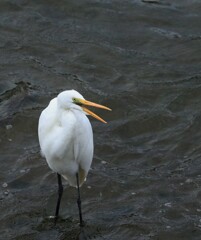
column 92, row 104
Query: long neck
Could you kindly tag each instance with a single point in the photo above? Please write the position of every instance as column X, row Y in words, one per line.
column 66, row 118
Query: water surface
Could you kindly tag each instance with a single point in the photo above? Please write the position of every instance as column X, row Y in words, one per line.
column 142, row 59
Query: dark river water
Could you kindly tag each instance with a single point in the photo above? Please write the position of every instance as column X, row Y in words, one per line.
column 142, row 59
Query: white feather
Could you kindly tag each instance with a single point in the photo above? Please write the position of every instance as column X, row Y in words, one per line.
column 65, row 136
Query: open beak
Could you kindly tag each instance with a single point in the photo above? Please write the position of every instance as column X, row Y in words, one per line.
column 92, row 104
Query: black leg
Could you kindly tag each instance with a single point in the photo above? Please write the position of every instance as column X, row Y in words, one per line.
column 60, row 192
column 79, row 201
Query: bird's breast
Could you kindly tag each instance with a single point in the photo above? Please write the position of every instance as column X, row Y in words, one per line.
column 67, row 143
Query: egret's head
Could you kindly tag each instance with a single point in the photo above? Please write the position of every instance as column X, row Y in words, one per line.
column 72, row 99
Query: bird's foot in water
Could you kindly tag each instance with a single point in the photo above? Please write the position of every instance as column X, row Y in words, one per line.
column 82, row 224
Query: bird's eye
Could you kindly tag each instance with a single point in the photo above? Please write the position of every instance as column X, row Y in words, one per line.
column 76, row 101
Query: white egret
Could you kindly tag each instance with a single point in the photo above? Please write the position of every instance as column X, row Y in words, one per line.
column 66, row 140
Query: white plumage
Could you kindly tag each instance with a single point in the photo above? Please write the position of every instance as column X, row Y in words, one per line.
column 66, row 139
